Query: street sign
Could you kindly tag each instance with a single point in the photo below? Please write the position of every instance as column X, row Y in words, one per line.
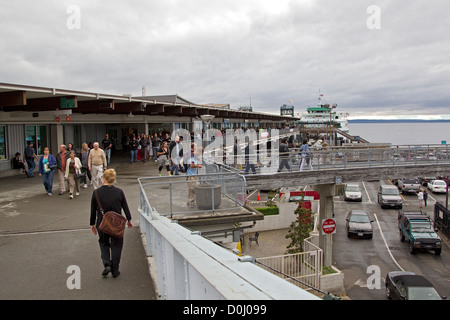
column 328, row 226
column 68, row 103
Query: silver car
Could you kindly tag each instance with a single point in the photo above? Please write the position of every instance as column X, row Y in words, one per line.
column 352, row 192
column 388, row 196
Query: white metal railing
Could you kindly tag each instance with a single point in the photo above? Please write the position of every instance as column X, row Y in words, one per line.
column 188, row 266
column 306, row 267
column 354, row 156
column 302, row 269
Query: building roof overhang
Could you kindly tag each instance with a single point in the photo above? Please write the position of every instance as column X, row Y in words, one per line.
column 15, row 97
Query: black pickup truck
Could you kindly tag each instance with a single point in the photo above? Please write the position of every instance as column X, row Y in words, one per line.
column 417, row 228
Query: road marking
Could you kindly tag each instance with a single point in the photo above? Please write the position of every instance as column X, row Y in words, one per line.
column 367, row 193
column 35, row 232
column 251, row 194
column 385, row 243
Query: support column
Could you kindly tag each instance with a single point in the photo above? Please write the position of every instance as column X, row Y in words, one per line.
column 56, row 138
column 327, row 192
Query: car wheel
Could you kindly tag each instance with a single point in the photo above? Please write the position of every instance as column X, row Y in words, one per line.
column 411, row 248
column 437, row 252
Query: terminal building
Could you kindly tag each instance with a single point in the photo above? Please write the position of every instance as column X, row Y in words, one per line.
column 51, row 117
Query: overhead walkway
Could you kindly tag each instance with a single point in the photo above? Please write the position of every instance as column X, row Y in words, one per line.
column 351, row 137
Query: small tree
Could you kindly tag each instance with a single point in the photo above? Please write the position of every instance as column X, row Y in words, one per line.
column 299, row 229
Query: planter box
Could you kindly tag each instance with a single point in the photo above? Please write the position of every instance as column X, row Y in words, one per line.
column 333, row 283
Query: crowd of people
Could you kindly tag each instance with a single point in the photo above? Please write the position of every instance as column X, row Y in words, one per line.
column 77, row 169
column 72, row 168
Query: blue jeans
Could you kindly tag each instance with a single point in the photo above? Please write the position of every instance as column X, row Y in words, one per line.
column 31, row 165
column 133, row 154
column 250, row 166
column 47, row 180
column 108, row 156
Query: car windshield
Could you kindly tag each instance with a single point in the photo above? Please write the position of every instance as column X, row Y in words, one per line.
column 390, row 191
column 439, row 183
column 352, row 188
column 421, row 227
column 359, row 218
column 423, row 293
column 412, row 181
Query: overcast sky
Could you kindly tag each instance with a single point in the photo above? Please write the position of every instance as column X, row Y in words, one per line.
column 391, row 59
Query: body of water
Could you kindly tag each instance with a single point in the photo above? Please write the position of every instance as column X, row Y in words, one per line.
column 403, row 132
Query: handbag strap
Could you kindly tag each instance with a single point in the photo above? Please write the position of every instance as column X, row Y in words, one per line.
column 98, row 202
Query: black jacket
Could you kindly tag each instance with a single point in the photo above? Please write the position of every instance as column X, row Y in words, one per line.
column 111, row 199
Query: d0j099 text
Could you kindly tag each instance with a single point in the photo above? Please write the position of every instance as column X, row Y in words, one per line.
column 244, row 310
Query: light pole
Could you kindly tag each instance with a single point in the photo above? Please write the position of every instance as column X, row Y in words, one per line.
column 207, row 119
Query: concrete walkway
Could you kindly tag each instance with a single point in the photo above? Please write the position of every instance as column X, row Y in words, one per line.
column 42, row 238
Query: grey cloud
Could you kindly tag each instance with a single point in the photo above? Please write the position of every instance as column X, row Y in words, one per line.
column 229, row 51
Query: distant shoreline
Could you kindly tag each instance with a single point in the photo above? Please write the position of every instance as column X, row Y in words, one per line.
column 397, row 121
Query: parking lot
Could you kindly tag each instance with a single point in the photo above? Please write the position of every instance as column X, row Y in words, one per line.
column 365, row 262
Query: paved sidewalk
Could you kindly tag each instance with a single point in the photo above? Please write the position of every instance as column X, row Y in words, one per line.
column 42, row 236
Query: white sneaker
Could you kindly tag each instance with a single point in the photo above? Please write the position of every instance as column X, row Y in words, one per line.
column 77, row 194
column 85, row 186
column 71, row 196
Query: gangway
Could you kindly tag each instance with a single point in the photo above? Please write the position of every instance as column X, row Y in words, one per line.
column 351, row 137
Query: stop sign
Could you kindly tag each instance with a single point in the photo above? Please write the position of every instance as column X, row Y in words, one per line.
column 328, row 226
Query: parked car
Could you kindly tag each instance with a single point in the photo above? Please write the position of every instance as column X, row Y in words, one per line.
column 352, row 192
column 437, row 186
column 359, row 224
column 409, row 185
column 388, row 196
column 397, row 157
column 416, row 228
column 403, row 285
column 424, row 180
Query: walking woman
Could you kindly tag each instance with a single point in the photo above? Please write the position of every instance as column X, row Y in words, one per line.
column 164, row 158
column 134, row 144
column 47, row 165
column 73, row 168
column 306, row 156
column 111, row 198
column 84, row 158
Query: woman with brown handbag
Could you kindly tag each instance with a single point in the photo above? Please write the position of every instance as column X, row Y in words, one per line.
column 73, row 169
column 110, row 198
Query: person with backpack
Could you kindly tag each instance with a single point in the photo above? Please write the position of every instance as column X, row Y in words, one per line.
column 29, row 155
column 284, row 156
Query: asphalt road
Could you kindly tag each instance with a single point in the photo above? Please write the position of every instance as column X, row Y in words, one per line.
column 365, row 262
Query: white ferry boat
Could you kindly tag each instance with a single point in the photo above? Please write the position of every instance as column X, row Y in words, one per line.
column 324, row 115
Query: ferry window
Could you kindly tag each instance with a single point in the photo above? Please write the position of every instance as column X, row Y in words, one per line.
column 2, row 142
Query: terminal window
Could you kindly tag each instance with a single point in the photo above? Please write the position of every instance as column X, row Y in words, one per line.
column 2, row 143
column 37, row 135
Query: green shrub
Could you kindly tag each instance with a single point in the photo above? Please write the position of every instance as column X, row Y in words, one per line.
column 268, row 211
